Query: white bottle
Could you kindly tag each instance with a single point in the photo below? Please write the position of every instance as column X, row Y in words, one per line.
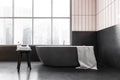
column 18, row 46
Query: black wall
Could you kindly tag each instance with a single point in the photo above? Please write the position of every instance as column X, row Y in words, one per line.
column 8, row 53
column 84, row 38
column 109, row 46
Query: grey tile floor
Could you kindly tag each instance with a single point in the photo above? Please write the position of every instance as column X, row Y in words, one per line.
column 8, row 71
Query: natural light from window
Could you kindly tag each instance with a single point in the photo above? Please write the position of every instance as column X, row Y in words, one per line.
column 35, row 22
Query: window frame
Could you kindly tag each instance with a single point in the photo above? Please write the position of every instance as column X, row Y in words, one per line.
column 13, row 21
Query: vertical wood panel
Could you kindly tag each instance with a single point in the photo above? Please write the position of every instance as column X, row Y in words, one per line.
column 108, row 12
column 76, row 22
column 118, row 12
column 87, row 8
column 80, row 7
column 87, row 20
column 107, row 17
column 83, row 23
column 80, row 23
column 73, row 23
column 94, row 23
column 113, row 16
column 83, row 7
column 83, row 15
column 89, row 23
column 93, row 7
column 73, row 6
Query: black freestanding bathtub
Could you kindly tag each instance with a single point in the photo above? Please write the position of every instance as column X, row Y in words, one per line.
column 59, row 56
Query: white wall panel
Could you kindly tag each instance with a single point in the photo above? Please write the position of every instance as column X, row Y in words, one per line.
column 108, row 13
column 76, row 7
column 83, row 15
column 73, row 6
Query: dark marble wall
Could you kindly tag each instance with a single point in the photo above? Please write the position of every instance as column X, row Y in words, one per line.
column 84, row 38
column 109, row 46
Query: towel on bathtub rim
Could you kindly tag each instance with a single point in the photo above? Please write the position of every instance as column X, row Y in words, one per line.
column 86, row 57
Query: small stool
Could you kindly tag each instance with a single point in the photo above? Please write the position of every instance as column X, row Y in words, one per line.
column 20, row 52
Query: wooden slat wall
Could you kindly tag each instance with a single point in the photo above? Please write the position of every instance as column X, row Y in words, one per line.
column 108, row 13
column 83, row 15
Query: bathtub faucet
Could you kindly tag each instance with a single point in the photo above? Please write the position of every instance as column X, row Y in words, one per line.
column 63, row 42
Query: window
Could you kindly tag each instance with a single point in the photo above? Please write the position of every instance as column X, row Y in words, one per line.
column 6, row 31
column 61, row 8
column 23, row 8
column 42, row 31
column 23, row 31
column 61, row 31
column 42, row 8
column 6, row 8
column 37, row 22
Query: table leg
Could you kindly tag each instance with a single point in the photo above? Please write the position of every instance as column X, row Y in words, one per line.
column 19, row 61
column 28, row 60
